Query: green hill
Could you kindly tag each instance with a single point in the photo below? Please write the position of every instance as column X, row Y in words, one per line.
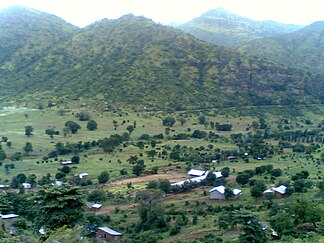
column 26, row 36
column 301, row 49
column 137, row 62
column 224, row 28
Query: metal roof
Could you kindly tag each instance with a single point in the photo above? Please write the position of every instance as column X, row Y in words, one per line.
column 109, row 231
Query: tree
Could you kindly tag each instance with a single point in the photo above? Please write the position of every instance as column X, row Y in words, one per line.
column 182, row 121
column 252, row 229
column 83, row 116
column 276, row 172
column 92, row 125
column 103, row 177
column 58, row 206
column 28, row 147
column 282, row 223
column 168, row 121
column 73, row 126
column 97, row 196
column 138, row 168
column 75, row 159
column 228, row 193
column 130, row 129
column 151, row 210
column 258, row 189
column 165, row 185
column 3, row 155
column 29, row 131
column 202, row 120
column 242, row 178
column 151, row 153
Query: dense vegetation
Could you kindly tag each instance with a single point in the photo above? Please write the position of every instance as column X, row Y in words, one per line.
column 301, row 49
column 134, row 61
column 223, row 28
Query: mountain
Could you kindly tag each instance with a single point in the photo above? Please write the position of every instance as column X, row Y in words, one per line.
column 224, row 28
column 301, row 49
column 27, row 35
column 136, row 62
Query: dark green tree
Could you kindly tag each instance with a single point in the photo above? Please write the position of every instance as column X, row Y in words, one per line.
column 168, row 121
column 228, row 193
column 83, row 116
column 139, row 168
column 151, row 210
column 242, row 178
column 28, row 147
column 258, row 189
column 103, row 177
column 29, row 131
column 92, row 125
column 165, row 185
column 130, row 128
column 3, row 155
column 56, row 207
column 73, row 126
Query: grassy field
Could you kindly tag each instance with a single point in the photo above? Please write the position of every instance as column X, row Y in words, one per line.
column 94, row 161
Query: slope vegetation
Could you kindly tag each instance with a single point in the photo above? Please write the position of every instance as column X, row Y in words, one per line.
column 224, row 28
column 300, row 49
column 135, row 61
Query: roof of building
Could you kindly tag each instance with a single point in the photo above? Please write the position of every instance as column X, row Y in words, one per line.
column 66, row 162
column 195, row 172
column 218, row 174
column 195, row 179
column 109, row 231
column 96, row 205
column 221, row 190
column 236, row 191
column 83, row 175
column 9, row 216
column 268, row 191
column 280, row 189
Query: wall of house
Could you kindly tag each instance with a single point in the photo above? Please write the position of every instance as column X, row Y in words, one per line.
column 216, row 195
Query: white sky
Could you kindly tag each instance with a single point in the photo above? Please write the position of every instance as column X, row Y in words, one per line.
column 85, row 12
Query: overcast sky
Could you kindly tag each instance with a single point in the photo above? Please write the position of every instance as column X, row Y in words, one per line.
column 85, row 12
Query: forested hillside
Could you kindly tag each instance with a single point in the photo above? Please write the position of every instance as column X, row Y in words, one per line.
column 134, row 61
column 301, row 49
column 224, row 28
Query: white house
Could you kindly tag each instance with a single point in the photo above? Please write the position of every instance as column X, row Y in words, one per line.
column 83, row 175
column 219, row 192
column 195, row 179
column 26, row 185
column 278, row 191
column 194, row 172
column 218, row 174
column 66, row 162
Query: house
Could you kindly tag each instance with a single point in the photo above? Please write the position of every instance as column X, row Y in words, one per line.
column 218, row 174
column 194, row 172
column 279, row 191
column 108, row 235
column 4, row 187
column 94, row 207
column 83, row 175
column 66, row 162
column 8, row 219
column 192, row 180
column 26, row 185
column 219, row 192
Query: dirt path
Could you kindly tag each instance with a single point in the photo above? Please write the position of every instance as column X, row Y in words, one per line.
column 171, row 177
